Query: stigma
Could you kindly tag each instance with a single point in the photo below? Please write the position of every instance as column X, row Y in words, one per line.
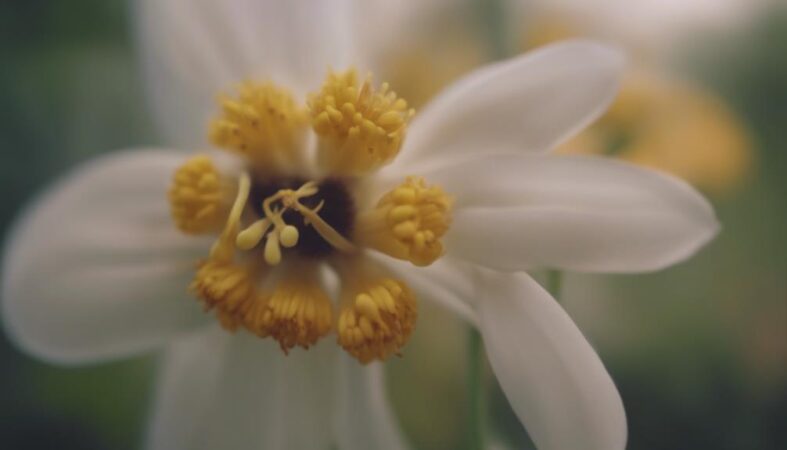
column 313, row 219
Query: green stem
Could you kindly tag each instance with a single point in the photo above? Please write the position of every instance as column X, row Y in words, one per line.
column 494, row 23
column 476, row 389
column 554, row 283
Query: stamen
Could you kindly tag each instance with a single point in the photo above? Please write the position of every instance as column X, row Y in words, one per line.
column 225, row 287
column 298, row 313
column 224, row 248
column 377, row 318
column 407, row 222
column 360, row 130
column 263, row 122
column 197, row 197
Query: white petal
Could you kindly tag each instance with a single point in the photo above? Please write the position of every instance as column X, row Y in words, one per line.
column 572, row 212
column 193, row 49
column 364, row 419
column 445, row 282
column 529, row 103
column 239, row 392
column 95, row 268
column 552, row 378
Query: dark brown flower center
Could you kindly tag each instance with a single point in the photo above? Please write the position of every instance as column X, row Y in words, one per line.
column 338, row 210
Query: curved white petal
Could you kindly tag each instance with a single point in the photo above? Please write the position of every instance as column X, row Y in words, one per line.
column 193, row 49
column 239, row 392
column 364, row 419
column 552, row 378
column 95, row 268
column 445, row 282
column 572, row 212
column 529, row 103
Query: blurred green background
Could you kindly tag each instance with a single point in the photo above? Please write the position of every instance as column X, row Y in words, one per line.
column 698, row 351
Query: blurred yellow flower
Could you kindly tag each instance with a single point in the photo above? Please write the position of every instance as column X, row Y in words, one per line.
column 659, row 121
column 673, row 126
column 419, row 73
column 434, row 56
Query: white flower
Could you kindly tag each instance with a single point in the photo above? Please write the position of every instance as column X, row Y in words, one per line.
column 95, row 269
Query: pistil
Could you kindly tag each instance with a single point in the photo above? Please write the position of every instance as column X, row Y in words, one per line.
column 287, row 235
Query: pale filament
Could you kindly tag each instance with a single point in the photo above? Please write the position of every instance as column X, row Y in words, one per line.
column 223, row 250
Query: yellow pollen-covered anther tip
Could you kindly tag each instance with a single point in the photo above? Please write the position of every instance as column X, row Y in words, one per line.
column 360, row 129
column 377, row 319
column 198, row 197
column 408, row 222
column 298, row 313
column 262, row 122
column 226, row 288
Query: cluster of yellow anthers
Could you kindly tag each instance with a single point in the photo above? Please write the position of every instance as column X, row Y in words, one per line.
column 226, row 288
column 360, row 129
column 197, row 197
column 264, row 123
column 377, row 319
column 408, row 222
column 296, row 312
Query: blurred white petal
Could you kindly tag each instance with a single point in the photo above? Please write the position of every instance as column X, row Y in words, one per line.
column 364, row 419
column 593, row 214
column 552, row 378
column 529, row 103
column 653, row 25
column 95, row 268
column 239, row 392
column 194, row 49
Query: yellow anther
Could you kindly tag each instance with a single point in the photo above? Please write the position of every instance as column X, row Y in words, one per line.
column 297, row 313
column 289, row 236
column 360, row 129
column 198, row 198
column 407, row 222
column 263, row 122
column 226, row 288
column 377, row 318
